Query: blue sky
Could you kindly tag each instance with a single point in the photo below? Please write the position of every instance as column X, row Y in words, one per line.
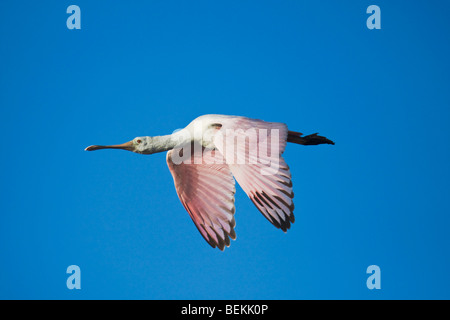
column 379, row 196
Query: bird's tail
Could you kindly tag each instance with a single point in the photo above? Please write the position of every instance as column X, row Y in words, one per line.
column 309, row 140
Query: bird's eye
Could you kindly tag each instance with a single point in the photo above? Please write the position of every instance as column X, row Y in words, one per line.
column 138, row 141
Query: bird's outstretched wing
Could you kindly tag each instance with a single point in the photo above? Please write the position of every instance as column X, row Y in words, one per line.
column 252, row 149
column 206, row 190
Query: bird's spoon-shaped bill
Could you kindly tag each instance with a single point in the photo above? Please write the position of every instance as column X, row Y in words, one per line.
column 125, row 146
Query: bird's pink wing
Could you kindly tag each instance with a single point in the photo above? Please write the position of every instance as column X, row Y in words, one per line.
column 252, row 149
column 206, row 191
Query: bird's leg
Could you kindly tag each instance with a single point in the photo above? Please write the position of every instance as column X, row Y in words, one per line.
column 309, row 140
column 315, row 139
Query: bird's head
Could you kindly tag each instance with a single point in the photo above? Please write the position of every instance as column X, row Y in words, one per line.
column 141, row 145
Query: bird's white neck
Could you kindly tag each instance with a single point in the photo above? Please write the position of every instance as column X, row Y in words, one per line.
column 164, row 143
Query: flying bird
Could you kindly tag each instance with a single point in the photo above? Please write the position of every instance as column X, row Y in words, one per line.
column 211, row 152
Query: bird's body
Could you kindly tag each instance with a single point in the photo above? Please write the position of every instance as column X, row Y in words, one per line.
column 205, row 156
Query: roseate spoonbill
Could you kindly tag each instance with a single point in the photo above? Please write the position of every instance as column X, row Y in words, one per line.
column 204, row 157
